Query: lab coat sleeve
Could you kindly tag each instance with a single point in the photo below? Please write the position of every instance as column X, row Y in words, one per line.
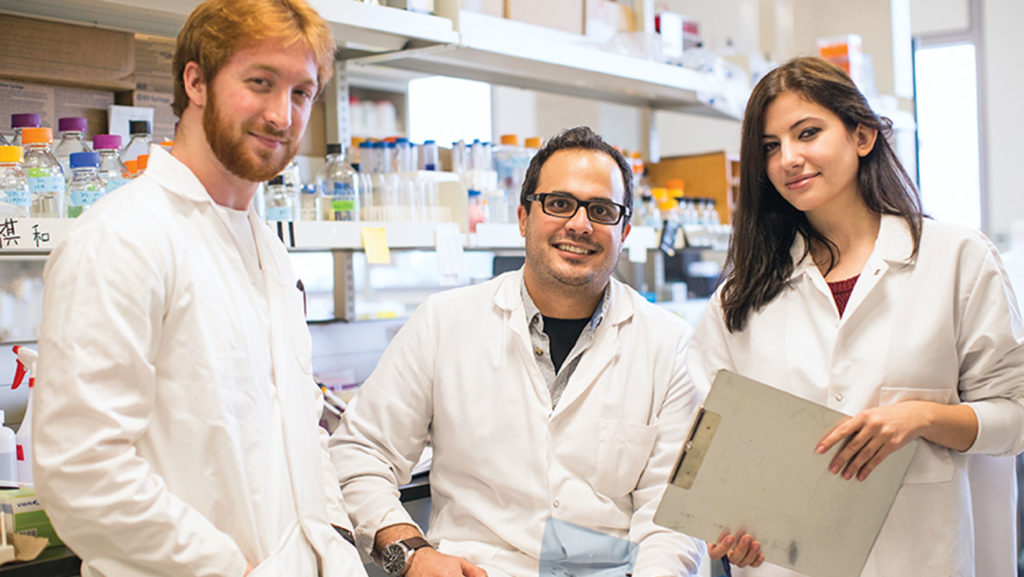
column 661, row 550
column 708, row 349
column 104, row 300
column 991, row 345
column 384, row 430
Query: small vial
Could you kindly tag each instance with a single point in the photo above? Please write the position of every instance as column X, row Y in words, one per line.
column 85, row 187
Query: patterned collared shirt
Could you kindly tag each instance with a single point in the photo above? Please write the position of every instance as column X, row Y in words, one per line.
column 542, row 345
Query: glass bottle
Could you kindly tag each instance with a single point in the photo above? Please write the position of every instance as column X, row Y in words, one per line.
column 84, row 187
column 72, row 139
column 112, row 172
column 15, row 199
column 279, row 200
column 21, row 121
column 139, row 141
column 338, row 186
column 45, row 177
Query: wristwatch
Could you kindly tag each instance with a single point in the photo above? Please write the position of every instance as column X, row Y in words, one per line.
column 395, row 556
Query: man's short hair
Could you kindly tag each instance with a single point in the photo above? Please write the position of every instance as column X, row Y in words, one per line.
column 579, row 138
column 217, row 29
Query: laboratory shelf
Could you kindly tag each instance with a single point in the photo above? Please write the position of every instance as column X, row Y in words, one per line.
column 31, row 236
column 507, row 52
column 359, row 27
column 351, row 235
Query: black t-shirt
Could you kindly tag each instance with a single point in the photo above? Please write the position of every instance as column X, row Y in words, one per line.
column 562, row 335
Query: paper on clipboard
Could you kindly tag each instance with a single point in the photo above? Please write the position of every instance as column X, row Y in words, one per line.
column 749, row 461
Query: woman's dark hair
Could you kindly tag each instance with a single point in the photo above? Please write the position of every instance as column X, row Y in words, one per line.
column 579, row 138
column 765, row 225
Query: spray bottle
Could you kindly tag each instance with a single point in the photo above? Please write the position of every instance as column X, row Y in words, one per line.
column 26, row 364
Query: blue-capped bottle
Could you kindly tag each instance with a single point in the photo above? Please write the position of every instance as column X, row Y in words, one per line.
column 45, row 177
column 85, row 186
column 15, row 199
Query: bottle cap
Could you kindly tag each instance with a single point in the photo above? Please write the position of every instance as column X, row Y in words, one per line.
column 426, row 142
column 36, row 135
column 533, row 142
column 11, row 154
column 473, row 193
column 366, row 144
column 279, row 179
column 106, row 141
column 510, row 139
column 72, row 123
column 84, row 159
column 132, row 166
column 142, row 161
column 138, row 127
column 333, row 148
column 26, row 120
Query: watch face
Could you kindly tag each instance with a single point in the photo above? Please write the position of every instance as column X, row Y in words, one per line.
column 393, row 559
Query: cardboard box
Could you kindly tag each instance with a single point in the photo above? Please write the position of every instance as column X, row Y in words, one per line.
column 564, row 15
column 66, row 54
column 24, row 516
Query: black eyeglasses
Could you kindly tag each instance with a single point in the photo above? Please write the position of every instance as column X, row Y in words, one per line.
column 562, row 205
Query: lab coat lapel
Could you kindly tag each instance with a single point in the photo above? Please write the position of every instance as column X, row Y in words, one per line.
column 602, row 352
column 509, row 299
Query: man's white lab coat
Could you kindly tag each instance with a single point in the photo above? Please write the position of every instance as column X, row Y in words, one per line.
column 175, row 417
column 943, row 328
column 462, row 371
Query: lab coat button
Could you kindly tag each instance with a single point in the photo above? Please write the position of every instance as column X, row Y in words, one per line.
column 839, row 397
column 538, row 351
column 555, row 504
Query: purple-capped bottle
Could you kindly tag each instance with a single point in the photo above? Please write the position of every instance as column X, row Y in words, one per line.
column 72, row 139
column 24, row 120
column 112, row 170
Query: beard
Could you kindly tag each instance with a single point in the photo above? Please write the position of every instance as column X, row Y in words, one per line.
column 232, row 151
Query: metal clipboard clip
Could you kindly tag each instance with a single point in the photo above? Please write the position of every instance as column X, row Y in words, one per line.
column 697, row 442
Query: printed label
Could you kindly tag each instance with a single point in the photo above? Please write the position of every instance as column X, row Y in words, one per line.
column 17, row 197
column 44, row 183
column 343, row 205
column 114, row 183
column 342, row 189
column 85, row 197
column 277, row 213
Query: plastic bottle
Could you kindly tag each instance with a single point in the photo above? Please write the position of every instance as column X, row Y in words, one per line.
column 476, row 210
column 279, row 200
column 338, row 188
column 139, row 141
column 367, row 198
column 8, row 455
column 112, row 172
column 510, row 162
column 15, row 199
column 430, row 156
column 85, row 186
column 22, row 121
column 45, row 177
column 72, row 139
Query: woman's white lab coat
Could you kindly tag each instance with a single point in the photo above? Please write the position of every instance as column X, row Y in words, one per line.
column 504, row 462
column 943, row 327
column 175, row 416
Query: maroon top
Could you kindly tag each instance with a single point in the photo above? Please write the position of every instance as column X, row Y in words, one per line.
column 841, row 290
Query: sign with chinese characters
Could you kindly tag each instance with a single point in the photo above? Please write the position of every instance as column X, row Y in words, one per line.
column 31, row 234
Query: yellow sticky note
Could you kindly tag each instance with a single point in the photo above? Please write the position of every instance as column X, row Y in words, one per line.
column 375, row 243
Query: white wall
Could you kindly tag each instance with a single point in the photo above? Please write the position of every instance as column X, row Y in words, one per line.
column 1003, row 86
column 938, row 16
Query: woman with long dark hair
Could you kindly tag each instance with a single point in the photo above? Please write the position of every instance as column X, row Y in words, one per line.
column 839, row 290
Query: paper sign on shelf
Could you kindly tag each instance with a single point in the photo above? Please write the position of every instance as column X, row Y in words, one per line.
column 375, row 243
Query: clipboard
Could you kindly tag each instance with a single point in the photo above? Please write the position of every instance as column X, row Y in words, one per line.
column 749, row 462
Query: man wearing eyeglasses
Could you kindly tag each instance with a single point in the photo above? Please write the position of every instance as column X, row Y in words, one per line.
column 555, row 399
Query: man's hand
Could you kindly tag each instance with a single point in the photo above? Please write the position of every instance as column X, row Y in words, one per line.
column 427, row 562
column 741, row 548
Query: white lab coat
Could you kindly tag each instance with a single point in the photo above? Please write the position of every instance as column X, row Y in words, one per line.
column 943, row 328
column 462, row 370
column 158, row 407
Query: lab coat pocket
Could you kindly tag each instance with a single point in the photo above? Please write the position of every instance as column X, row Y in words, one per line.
column 622, row 453
column 932, row 463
